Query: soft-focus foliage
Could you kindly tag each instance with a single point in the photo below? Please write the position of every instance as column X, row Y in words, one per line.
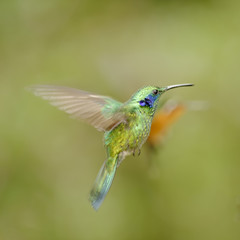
column 48, row 161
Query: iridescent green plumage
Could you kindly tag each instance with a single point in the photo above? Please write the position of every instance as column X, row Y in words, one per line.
column 126, row 125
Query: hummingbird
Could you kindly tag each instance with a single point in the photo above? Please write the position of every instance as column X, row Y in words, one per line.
column 126, row 126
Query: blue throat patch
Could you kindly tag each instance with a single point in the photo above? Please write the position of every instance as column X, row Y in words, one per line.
column 148, row 101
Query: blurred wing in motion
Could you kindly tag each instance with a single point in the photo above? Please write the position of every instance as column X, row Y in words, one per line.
column 170, row 113
column 100, row 111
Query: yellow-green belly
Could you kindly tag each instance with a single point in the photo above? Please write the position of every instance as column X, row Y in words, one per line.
column 126, row 137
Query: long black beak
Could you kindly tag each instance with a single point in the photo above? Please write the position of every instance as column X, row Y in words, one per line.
column 177, row 85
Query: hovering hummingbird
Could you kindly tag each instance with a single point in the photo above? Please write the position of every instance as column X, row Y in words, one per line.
column 126, row 126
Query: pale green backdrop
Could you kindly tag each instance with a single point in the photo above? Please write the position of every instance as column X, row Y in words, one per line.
column 48, row 162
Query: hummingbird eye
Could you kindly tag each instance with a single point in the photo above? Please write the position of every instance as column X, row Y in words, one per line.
column 155, row 91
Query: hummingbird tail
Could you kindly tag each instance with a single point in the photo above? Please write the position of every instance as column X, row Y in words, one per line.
column 103, row 182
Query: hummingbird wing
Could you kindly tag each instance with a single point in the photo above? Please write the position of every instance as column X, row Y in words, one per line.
column 100, row 111
column 103, row 182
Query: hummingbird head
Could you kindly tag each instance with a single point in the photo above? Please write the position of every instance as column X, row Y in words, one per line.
column 147, row 97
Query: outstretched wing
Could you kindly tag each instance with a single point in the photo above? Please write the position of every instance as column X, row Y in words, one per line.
column 100, row 111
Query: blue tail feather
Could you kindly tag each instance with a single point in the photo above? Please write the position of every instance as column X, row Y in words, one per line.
column 102, row 183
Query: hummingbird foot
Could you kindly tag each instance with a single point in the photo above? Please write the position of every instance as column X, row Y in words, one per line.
column 133, row 153
column 139, row 152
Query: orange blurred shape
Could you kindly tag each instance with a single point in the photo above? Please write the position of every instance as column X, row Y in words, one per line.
column 163, row 120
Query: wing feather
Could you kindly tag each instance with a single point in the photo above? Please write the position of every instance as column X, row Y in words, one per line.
column 100, row 111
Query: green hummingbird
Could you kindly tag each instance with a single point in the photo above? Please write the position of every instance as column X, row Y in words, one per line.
column 126, row 126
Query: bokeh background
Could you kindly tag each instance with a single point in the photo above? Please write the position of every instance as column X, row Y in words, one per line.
column 189, row 189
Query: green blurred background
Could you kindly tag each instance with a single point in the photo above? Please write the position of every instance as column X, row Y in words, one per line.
column 48, row 161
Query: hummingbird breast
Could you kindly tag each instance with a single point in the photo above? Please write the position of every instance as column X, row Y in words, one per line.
column 128, row 136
